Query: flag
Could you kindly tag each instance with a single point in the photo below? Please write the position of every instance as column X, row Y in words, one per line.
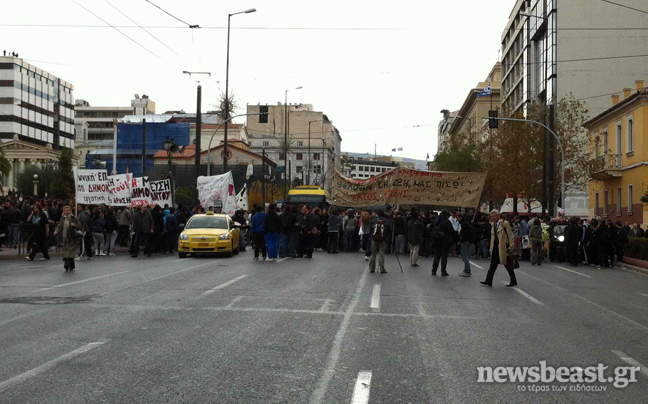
column 242, row 198
column 400, row 149
column 487, row 91
column 393, row 149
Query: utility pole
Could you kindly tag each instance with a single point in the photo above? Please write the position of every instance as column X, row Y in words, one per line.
column 552, row 166
column 264, row 176
column 198, row 129
column 143, row 147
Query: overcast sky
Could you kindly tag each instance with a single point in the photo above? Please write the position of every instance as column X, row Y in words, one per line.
column 383, row 80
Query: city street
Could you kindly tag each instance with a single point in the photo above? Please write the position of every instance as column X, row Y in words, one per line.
column 235, row 330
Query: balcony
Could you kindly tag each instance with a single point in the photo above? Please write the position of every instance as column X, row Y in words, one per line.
column 606, row 167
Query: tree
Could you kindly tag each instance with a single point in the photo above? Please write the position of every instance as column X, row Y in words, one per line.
column 462, row 155
column 185, row 196
column 61, row 180
column 5, row 168
column 517, row 161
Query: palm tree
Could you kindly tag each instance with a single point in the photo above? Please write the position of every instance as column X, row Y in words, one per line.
column 5, row 168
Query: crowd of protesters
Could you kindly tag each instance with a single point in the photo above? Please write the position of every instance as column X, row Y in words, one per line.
column 297, row 231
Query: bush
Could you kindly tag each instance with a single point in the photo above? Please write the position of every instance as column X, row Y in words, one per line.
column 637, row 248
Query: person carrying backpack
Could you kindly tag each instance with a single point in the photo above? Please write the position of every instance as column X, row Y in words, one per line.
column 378, row 243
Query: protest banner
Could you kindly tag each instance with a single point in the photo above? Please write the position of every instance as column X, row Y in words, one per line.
column 119, row 190
column 242, row 198
column 91, row 186
column 140, row 192
column 217, row 188
column 161, row 193
column 405, row 186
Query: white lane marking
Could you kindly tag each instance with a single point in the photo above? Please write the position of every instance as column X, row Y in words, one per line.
column 375, row 297
column 643, row 294
column 631, row 361
column 219, row 287
column 621, row 316
column 25, row 315
column 528, row 296
column 362, row 387
column 472, row 263
column 182, row 259
column 281, row 259
column 82, row 281
column 233, row 302
column 334, row 354
column 326, row 306
column 572, row 271
column 42, row 368
column 149, row 296
column 157, row 278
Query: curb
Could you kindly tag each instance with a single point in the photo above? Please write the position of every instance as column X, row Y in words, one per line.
column 633, row 268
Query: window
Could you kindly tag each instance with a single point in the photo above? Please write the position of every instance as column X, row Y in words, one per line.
column 300, row 144
column 618, row 138
column 605, row 142
column 316, row 156
column 300, row 156
column 618, row 201
column 605, row 202
column 596, row 204
column 266, row 144
column 630, row 139
column 596, row 147
column 373, row 169
column 263, row 110
column 630, row 207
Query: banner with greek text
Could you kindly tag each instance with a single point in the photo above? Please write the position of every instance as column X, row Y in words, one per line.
column 119, row 190
column 405, row 186
column 140, row 192
column 91, row 186
column 161, row 192
column 217, row 188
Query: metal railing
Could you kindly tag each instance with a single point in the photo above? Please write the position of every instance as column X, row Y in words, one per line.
column 606, row 162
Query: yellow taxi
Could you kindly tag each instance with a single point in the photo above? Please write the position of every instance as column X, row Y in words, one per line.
column 209, row 234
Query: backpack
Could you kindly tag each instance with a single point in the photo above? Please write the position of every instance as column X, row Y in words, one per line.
column 437, row 234
column 379, row 232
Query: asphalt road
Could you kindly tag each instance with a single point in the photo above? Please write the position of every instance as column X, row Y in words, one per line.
column 235, row 330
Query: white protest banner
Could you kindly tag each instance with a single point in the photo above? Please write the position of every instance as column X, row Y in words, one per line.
column 242, row 198
column 140, row 192
column 119, row 189
column 217, row 188
column 91, row 186
column 161, row 193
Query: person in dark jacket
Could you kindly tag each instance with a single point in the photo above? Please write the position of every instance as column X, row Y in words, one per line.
column 333, row 230
column 258, row 232
column 415, row 237
column 442, row 235
column 613, row 234
column 98, row 231
column 400, row 228
column 622, row 240
column 272, row 231
column 171, row 227
column 85, row 220
column 287, row 226
column 467, row 240
column 535, row 239
column 308, row 229
column 144, row 231
column 112, row 226
column 599, row 237
column 239, row 218
column 40, row 233
column 572, row 238
column 157, row 242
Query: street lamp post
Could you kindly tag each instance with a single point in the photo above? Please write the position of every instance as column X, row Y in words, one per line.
column 169, row 146
column 286, row 128
column 35, row 182
column 309, row 150
column 226, row 112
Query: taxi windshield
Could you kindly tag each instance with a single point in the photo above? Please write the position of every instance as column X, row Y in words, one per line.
column 207, row 222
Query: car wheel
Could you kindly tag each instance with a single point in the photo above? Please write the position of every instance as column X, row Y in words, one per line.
column 182, row 255
column 230, row 253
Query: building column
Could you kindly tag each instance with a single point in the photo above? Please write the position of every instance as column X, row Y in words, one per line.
column 12, row 175
column 21, row 166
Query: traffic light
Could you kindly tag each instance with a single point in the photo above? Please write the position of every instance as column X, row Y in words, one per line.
column 493, row 123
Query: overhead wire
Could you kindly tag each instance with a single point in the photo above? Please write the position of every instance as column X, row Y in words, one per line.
column 171, row 15
column 144, row 29
column 116, row 29
column 624, row 6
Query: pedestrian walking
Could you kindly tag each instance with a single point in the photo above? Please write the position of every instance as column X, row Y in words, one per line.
column 112, row 224
column 467, row 240
column 258, row 233
column 333, row 230
column 68, row 228
column 378, row 244
column 442, row 235
column 85, row 219
column 98, row 230
column 349, row 224
column 144, row 232
column 171, row 228
column 309, row 228
column 365, row 229
column 272, row 232
column 535, row 239
column 399, row 233
column 124, row 218
column 415, row 237
column 501, row 246
column 40, row 233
